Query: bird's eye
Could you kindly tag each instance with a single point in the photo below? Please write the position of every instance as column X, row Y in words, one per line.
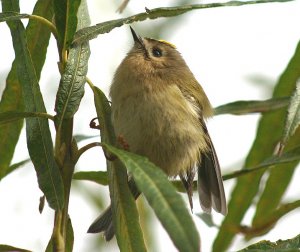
column 156, row 52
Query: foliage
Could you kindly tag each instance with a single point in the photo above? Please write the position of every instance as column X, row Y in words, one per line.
column 54, row 163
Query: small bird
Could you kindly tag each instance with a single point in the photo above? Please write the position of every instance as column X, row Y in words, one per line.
column 159, row 109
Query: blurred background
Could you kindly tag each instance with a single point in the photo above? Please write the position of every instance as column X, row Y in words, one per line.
column 236, row 53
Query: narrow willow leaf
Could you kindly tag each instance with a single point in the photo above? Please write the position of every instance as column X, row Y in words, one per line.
column 39, row 140
column 66, row 20
column 263, row 147
column 293, row 117
column 284, row 173
column 247, row 107
column 207, row 219
column 69, row 239
column 124, row 211
column 15, row 166
column 10, row 16
column 104, row 117
column 290, row 245
column 98, row 177
column 81, row 137
column 7, row 248
column 93, row 31
column 163, row 198
column 38, row 37
column 271, row 219
column 12, row 116
column 287, row 157
column 71, row 86
column 11, row 100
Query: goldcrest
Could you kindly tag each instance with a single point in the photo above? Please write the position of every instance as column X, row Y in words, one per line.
column 159, row 109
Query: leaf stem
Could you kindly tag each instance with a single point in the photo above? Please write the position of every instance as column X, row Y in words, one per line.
column 45, row 22
column 85, row 148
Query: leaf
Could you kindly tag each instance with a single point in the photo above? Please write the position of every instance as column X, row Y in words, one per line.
column 287, row 157
column 98, row 177
column 69, row 239
column 39, row 140
column 163, row 198
column 247, row 107
column 12, row 116
column 10, row 16
column 207, row 219
column 293, row 117
column 15, row 166
column 81, row 137
column 38, row 37
column 66, row 20
column 93, row 31
column 290, row 245
column 7, row 248
column 71, row 86
column 270, row 220
column 124, row 211
column 104, row 116
column 263, row 147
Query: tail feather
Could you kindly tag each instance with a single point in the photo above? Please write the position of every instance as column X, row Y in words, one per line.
column 210, row 184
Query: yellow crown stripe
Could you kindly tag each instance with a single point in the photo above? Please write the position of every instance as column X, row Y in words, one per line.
column 167, row 43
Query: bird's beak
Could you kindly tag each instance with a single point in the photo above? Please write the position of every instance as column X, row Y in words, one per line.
column 136, row 38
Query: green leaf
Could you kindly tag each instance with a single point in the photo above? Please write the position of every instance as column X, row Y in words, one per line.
column 66, row 20
column 271, row 219
column 93, row 31
column 247, row 107
column 104, row 116
column 39, row 140
column 98, row 177
column 207, row 219
column 12, row 116
column 7, row 248
column 290, row 245
column 69, row 239
column 287, row 157
column 274, row 190
column 163, row 198
column 81, row 137
column 71, row 86
column 263, row 147
column 38, row 37
column 10, row 16
column 293, row 117
column 15, row 166
column 124, row 211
